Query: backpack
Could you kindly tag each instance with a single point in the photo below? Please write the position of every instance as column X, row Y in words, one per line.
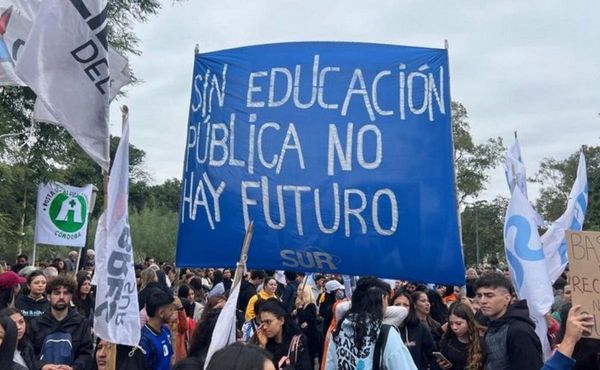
column 57, row 349
column 380, row 346
column 286, row 362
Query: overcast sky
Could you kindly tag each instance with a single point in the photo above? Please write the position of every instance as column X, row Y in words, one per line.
column 530, row 66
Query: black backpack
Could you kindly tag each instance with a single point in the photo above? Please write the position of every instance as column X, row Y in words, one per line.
column 380, row 345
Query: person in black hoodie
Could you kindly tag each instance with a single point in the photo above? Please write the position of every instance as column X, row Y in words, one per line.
column 8, row 344
column 415, row 335
column 510, row 340
column 34, row 303
column 61, row 335
column 248, row 288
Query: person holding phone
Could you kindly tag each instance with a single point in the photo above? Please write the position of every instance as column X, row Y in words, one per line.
column 461, row 347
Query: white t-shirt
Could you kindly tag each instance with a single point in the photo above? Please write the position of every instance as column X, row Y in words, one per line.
column 19, row 359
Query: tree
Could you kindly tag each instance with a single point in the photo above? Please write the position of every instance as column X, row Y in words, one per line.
column 473, row 161
column 32, row 153
column 482, row 226
column 154, row 233
column 166, row 195
column 557, row 178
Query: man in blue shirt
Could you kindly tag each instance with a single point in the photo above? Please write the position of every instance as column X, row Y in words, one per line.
column 156, row 336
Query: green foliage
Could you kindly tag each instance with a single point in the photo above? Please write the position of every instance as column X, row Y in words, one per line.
column 154, row 233
column 34, row 153
column 473, row 161
column 122, row 17
column 16, row 207
column 483, row 223
column 166, row 195
column 557, row 178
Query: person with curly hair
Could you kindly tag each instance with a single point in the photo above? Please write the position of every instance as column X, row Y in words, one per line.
column 361, row 340
column 461, row 345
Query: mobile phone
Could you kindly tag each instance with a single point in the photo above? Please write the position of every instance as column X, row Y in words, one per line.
column 439, row 356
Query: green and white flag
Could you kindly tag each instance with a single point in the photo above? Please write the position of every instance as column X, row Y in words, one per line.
column 62, row 214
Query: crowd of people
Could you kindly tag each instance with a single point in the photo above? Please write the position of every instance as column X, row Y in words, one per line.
column 286, row 320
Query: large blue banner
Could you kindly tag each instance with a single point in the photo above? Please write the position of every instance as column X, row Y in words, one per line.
column 341, row 154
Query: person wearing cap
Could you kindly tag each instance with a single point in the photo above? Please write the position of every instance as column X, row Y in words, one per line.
column 10, row 285
column 334, row 292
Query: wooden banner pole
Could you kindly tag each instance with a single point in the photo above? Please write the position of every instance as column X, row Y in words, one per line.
column 112, row 347
column 241, row 266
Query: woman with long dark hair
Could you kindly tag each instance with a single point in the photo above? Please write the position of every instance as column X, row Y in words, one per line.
column 8, row 345
column 414, row 334
column 423, row 311
column 59, row 264
column 203, row 334
column 461, row 344
column 83, row 299
column 187, row 295
column 240, row 356
column 24, row 354
column 280, row 336
column 354, row 342
column 34, row 303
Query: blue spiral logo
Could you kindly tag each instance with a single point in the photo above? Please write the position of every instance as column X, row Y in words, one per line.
column 521, row 247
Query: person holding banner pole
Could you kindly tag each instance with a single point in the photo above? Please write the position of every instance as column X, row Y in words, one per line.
column 82, row 260
column 225, row 329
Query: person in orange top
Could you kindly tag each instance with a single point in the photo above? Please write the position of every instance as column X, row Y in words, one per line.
column 453, row 297
column 180, row 326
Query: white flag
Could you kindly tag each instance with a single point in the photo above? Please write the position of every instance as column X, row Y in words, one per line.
column 525, row 257
column 62, row 214
column 225, row 328
column 347, row 285
column 15, row 23
column 64, row 61
column 116, row 318
column 120, row 75
column 514, row 169
column 553, row 240
column 516, row 174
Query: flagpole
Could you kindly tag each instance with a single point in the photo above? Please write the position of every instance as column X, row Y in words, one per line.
column 225, row 326
column 112, row 347
column 78, row 260
column 241, row 265
column 34, row 250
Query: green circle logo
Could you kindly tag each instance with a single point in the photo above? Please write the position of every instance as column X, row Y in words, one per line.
column 68, row 213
